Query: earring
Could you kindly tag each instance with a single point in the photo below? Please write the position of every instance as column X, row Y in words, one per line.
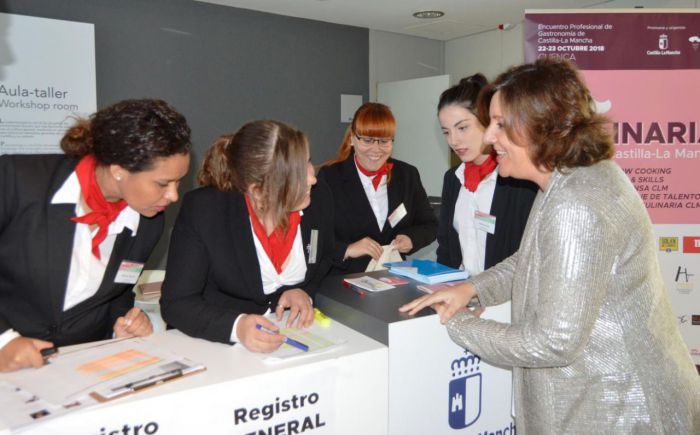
column 119, row 178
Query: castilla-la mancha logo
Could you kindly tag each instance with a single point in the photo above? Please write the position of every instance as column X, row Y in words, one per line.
column 465, row 391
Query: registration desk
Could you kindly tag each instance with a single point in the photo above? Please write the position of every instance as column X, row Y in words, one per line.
column 435, row 387
column 343, row 391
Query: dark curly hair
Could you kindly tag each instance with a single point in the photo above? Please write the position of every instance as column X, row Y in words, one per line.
column 548, row 104
column 130, row 133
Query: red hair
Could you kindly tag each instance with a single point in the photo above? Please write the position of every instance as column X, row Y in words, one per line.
column 370, row 120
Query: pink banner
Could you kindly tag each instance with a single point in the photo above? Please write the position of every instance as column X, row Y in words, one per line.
column 644, row 72
column 643, row 69
column 617, row 41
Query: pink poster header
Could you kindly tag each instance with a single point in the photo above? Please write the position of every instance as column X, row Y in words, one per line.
column 617, row 41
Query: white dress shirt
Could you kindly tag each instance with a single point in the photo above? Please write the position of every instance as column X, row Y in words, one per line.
column 472, row 241
column 293, row 269
column 378, row 199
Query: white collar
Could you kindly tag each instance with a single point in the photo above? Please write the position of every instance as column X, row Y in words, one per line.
column 69, row 193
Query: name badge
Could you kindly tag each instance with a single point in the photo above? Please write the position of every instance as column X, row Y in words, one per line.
column 485, row 222
column 396, row 215
column 129, row 272
column 312, row 247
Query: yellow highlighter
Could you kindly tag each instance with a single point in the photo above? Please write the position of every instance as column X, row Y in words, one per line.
column 321, row 318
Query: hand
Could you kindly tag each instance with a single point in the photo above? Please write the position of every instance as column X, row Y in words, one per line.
column 402, row 243
column 299, row 304
column 366, row 246
column 446, row 302
column 254, row 339
column 134, row 324
column 22, row 352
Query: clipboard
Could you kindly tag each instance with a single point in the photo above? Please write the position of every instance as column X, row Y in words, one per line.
column 146, row 379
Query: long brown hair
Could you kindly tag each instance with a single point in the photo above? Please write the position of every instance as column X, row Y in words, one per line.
column 371, row 120
column 270, row 155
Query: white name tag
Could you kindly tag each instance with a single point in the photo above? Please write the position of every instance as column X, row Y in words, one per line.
column 485, row 222
column 129, row 272
column 396, row 215
column 312, row 247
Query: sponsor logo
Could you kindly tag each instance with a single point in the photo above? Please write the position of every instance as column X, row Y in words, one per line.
column 465, row 391
column 695, row 319
column 695, row 42
column 684, row 284
column 691, row 245
column 682, row 319
column 662, row 47
column 668, row 244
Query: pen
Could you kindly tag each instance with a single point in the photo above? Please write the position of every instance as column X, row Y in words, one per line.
column 289, row 341
column 150, row 380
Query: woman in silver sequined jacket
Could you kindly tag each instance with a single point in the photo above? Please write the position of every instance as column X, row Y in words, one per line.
column 593, row 343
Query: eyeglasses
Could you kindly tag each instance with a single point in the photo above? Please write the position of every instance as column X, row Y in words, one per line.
column 368, row 141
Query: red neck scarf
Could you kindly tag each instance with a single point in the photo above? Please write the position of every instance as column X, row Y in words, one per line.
column 473, row 173
column 277, row 245
column 385, row 169
column 102, row 211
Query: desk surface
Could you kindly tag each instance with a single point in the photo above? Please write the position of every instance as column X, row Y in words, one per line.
column 370, row 313
column 238, row 376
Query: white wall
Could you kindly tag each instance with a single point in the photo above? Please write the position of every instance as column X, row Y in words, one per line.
column 492, row 52
column 395, row 57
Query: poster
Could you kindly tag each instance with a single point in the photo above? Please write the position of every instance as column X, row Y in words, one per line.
column 47, row 79
column 643, row 69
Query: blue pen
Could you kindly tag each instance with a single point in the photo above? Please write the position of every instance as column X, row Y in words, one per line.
column 289, row 341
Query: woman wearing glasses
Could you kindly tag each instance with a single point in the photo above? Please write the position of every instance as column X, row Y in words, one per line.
column 378, row 200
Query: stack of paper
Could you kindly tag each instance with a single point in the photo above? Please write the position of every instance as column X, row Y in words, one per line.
column 150, row 290
column 427, row 271
column 367, row 283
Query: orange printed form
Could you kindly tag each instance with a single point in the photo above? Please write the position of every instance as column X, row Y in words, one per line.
column 118, row 364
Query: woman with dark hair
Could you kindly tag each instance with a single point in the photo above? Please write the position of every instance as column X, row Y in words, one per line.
column 594, row 345
column 378, row 200
column 76, row 229
column 482, row 214
column 257, row 238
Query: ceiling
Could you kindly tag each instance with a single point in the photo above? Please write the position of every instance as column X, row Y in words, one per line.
column 462, row 17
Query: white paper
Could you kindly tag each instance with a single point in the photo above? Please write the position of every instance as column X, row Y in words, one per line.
column 389, row 254
column 317, row 337
column 76, row 374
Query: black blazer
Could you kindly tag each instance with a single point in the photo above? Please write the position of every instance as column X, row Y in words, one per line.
column 512, row 200
column 36, row 241
column 213, row 274
column 354, row 218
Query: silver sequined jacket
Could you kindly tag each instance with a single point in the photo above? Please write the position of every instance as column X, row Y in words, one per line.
column 593, row 341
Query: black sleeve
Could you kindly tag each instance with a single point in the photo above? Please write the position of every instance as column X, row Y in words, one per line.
column 182, row 302
column 7, row 207
column 323, row 204
column 424, row 226
column 339, row 246
column 447, row 238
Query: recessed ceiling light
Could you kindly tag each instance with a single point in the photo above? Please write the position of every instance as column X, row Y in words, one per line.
column 428, row 14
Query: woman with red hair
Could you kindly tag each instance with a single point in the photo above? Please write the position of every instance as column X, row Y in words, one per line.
column 378, row 200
